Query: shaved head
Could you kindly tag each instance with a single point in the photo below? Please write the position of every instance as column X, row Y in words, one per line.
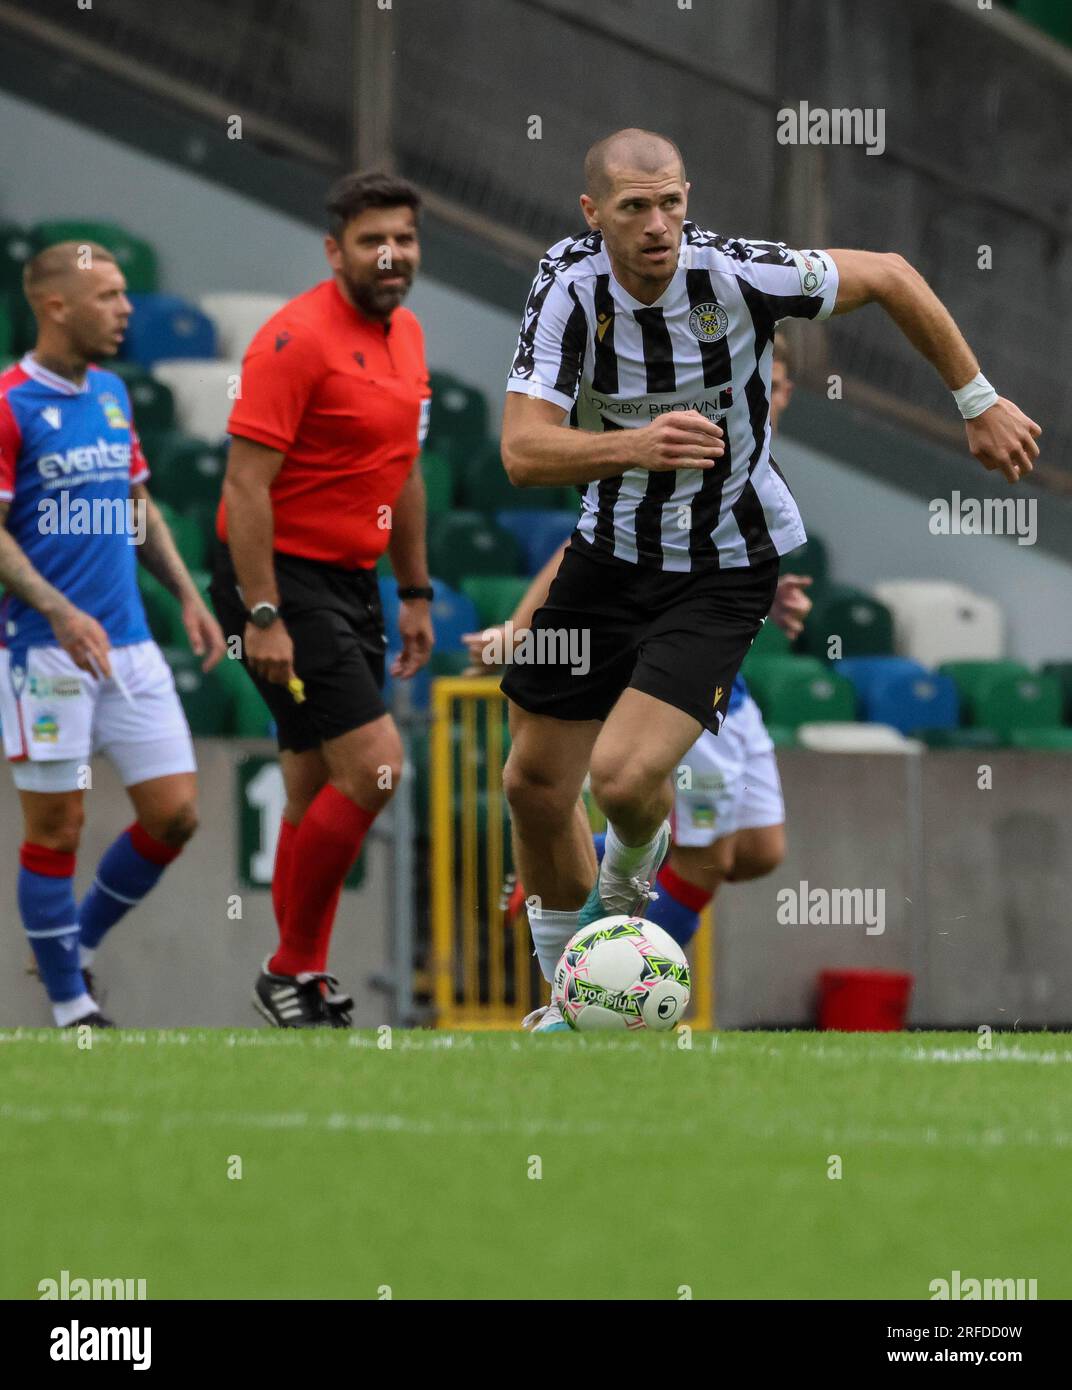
column 632, row 151
column 53, row 270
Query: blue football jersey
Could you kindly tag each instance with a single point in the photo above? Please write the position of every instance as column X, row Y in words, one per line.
column 68, row 458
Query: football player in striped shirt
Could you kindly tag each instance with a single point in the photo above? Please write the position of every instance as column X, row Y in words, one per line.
column 653, row 340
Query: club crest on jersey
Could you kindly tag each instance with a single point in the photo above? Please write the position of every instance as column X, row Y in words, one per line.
column 113, row 412
column 709, row 322
column 46, row 729
column 51, row 416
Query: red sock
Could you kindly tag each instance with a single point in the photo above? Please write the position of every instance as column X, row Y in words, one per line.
column 325, row 846
column 284, row 859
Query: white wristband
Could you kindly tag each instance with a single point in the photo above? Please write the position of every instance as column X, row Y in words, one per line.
column 976, row 397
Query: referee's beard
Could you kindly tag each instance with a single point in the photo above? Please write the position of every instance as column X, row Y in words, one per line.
column 375, row 299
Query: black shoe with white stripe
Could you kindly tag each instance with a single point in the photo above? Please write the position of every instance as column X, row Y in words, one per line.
column 294, row 1001
column 93, row 1020
column 339, row 1006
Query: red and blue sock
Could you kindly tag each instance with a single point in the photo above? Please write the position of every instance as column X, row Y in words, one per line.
column 130, row 868
column 50, row 916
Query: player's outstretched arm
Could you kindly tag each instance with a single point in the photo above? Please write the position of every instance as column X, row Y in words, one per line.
column 538, row 452
column 79, row 634
column 160, row 556
column 1000, row 435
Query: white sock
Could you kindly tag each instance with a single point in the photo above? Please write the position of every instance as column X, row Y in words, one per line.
column 86, row 956
column 623, row 860
column 71, row 1010
column 550, row 932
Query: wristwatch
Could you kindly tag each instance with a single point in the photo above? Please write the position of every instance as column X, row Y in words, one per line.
column 263, row 615
column 417, row 591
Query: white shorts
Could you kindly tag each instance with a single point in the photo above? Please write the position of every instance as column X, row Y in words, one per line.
column 734, row 781
column 55, row 717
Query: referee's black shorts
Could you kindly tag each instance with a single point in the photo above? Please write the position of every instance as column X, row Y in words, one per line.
column 608, row 624
column 335, row 621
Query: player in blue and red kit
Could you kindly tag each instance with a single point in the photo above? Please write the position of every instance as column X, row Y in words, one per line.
column 79, row 672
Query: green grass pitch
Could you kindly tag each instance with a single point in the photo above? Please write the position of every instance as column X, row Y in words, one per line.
column 411, row 1168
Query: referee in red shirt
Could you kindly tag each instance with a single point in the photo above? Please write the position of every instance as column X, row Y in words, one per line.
column 321, row 480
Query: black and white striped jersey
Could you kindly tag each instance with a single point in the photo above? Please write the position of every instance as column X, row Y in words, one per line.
column 706, row 345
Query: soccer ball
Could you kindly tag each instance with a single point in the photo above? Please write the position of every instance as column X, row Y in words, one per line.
column 622, row 972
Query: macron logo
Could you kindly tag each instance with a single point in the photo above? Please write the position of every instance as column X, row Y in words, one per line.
column 51, row 416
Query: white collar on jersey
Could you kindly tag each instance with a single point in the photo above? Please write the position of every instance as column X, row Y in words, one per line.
column 44, row 377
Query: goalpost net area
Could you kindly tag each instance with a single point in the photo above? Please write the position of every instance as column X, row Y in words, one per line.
column 484, row 974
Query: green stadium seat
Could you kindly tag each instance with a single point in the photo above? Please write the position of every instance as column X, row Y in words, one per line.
column 792, row 696
column 152, row 403
column 458, row 422
column 448, row 663
column 760, row 670
column 7, row 330
column 770, row 640
column 483, row 486
column 973, row 677
column 1062, row 673
column 135, row 258
column 16, row 248
column 438, row 482
column 461, row 544
column 189, row 535
column 809, row 558
column 951, row 739
column 495, row 595
column 782, row 735
column 859, row 620
column 187, row 473
column 863, row 624
column 1055, row 739
column 249, row 715
column 1019, row 702
column 161, row 610
column 205, row 698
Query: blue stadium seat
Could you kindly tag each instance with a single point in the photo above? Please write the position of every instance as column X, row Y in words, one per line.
column 165, row 325
column 419, row 686
column 452, row 614
column 539, row 534
column 894, row 690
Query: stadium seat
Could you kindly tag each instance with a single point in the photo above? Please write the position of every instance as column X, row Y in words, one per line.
column 1044, row 739
column 7, row 331
column 792, row 692
column 770, row 640
column 810, row 558
column 850, row 737
column 1062, row 673
column 135, row 257
column 449, row 663
column 759, row 669
column 453, row 614
column 238, row 316
column 151, row 401
column 972, row 678
column 249, row 715
column 495, row 595
column 953, row 739
column 936, row 621
column 205, row 698
column 438, row 482
column 161, row 609
column 204, row 391
column 483, row 485
column 1011, row 702
column 538, row 533
column 163, row 327
column 189, row 535
column 187, row 473
column 895, row 691
column 863, row 624
column 458, row 421
column 16, row 248
column 418, row 686
column 465, row 543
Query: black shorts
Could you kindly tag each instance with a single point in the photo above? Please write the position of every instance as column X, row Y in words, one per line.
column 335, row 621
column 608, row 624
